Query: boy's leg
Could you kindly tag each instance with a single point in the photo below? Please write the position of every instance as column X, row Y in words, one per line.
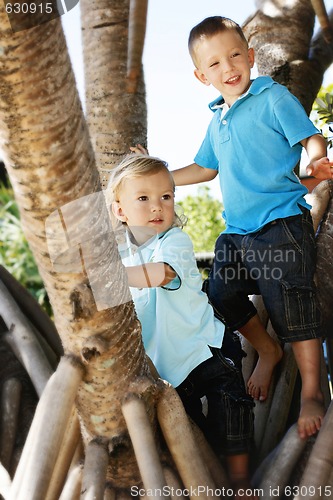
column 290, row 299
column 230, row 412
column 238, row 469
column 269, row 355
column 307, row 354
column 190, row 397
column 228, row 288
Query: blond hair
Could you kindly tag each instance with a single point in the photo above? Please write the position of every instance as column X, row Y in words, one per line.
column 137, row 165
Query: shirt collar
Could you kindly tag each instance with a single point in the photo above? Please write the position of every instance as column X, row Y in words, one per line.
column 257, row 86
column 133, row 247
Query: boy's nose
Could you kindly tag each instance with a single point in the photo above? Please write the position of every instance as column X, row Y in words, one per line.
column 156, row 206
column 227, row 65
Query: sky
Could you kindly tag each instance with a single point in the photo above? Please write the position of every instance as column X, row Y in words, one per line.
column 178, row 113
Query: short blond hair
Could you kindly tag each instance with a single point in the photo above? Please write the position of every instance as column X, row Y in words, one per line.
column 135, row 165
column 208, row 28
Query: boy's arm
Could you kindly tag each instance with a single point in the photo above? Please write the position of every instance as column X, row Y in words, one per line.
column 193, row 174
column 320, row 165
column 150, row 275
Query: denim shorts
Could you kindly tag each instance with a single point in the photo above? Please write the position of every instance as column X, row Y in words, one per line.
column 277, row 262
column 228, row 424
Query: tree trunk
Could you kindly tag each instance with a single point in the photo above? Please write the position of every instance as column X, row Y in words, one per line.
column 281, row 35
column 117, row 119
column 50, row 162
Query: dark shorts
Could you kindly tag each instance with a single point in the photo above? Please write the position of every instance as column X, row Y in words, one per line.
column 277, row 262
column 228, row 424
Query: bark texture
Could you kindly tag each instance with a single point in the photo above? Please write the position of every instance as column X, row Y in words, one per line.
column 116, row 118
column 281, row 34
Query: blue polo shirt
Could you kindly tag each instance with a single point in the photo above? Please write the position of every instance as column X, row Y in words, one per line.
column 255, row 147
column 178, row 323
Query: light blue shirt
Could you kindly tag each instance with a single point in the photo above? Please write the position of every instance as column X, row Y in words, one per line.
column 255, row 147
column 178, row 323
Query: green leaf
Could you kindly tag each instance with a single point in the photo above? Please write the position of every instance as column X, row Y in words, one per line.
column 205, row 221
column 15, row 254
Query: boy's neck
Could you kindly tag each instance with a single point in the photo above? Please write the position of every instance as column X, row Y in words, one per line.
column 236, row 98
column 140, row 235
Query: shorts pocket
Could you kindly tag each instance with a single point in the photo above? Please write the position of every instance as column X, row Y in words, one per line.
column 239, row 419
column 300, row 307
column 293, row 230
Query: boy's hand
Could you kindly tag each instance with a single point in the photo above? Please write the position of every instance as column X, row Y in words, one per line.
column 139, row 150
column 320, row 169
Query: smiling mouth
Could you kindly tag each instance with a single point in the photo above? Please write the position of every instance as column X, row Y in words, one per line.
column 156, row 220
column 233, row 79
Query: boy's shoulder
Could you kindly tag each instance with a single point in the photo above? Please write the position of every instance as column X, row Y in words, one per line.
column 264, row 83
column 175, row 239
column 272, row 93
column 175, row 233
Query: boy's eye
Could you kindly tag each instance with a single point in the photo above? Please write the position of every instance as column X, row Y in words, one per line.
column 143, row 198
column 235, row 54
column 166, row 197
column 213, row 64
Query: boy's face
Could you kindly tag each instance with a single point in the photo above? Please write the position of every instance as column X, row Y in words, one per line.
column 146, row 204
column 224, row 61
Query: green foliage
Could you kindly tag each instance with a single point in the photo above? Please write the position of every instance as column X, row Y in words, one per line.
column 204, row 219
column 15, row 254
column 323, row 108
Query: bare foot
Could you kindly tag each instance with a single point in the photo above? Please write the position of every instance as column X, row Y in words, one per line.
column 259, row 382
column 310, row 417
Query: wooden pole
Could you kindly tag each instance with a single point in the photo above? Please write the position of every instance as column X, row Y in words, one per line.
column 144, row 445
column 213, row 464
column 263, row 409
column 277, row 419
column 174, row 483
column 319, row 466
column 179, row 437
column 31, row 353
column 94, row 471
column 53, row 411
column 274, row 472
column 71, row 440
column 10, row 406
column 5, row 482
column 72, row 487
column 33, row 311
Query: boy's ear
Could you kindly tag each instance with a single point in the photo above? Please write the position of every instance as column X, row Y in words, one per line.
column 250, row 55
column 201, row 77
column 117, row 211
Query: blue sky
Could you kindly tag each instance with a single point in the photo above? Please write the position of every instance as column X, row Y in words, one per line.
column 178, row 114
